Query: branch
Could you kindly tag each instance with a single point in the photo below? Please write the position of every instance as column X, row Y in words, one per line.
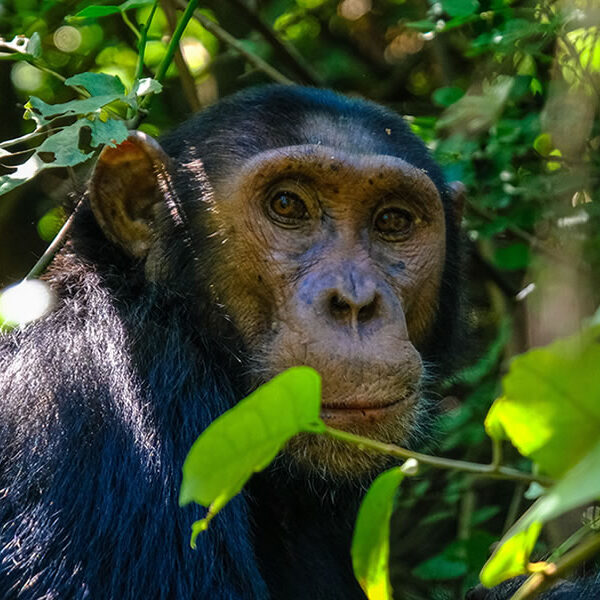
column 286, row 52
column 491, row 470
column 545, row 579
column 534, row 242
column 228, row 39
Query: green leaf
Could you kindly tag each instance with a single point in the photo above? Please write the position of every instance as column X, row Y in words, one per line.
column 460, row 8
column 146, row 86
column 111, row 132
column 551, row 404
column 96, row 12
column 34, row 45
column 24, row 172
column 446, row 96
column 42, row 112
column 551, row 412
column 511, row 557
column 513, row 257
column 130, row 4
column 439, row 568
column 370, row 543
column 98, row 84
column 543, row 144
column 65, row 146
column 247, row 438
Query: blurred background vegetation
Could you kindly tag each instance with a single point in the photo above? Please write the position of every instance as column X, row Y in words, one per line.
column 505, row 94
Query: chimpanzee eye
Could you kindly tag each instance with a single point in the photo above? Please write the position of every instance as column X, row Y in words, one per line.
column 287, row 208
column 394, row 224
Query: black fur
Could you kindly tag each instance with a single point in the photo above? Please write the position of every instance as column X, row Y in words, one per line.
column 101, row 400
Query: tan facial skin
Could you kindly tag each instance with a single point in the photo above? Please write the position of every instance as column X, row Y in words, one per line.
column 332, row 260
column 329, row 288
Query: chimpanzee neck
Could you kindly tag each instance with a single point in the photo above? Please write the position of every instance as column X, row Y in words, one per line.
column 303, row 532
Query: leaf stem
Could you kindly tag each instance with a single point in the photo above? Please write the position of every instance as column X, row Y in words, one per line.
column 142, row 40
column 490, row 470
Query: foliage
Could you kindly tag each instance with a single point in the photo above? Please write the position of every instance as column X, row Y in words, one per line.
column 505, row 93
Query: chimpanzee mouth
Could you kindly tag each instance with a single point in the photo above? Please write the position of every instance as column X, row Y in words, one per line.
column 368, row 406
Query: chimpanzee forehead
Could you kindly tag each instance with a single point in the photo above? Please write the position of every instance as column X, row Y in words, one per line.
column 241, row 126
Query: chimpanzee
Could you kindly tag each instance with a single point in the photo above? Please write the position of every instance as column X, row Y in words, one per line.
column 282, row 226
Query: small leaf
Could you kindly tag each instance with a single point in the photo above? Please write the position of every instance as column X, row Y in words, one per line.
column 110, row 132
column 370, row 543
column 247, row 438
column 98, row 84
column 34, row 45
column 146, row 86
column 543, row 144
column 96, row 12
column 511, row 557
column 23, row 173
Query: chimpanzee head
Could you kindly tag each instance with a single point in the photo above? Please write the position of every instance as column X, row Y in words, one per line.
column 323, row 230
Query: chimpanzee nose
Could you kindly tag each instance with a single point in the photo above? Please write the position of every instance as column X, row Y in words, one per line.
column 353, row 308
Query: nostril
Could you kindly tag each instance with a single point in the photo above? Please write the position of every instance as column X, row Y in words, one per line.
column 367, row 312
column 338, row 306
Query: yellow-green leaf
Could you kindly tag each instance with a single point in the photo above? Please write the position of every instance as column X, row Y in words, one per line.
column 511, row 557
column 370, row 544
column 248, row 437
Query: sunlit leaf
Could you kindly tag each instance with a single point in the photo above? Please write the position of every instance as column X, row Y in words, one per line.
column 543, row 144
column 551, row 404
column 511, row 557
column 247, row 438
column 370, row 544
column 146, row 86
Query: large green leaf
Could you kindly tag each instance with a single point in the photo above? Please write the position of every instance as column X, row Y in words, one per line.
column 371, row 541
column 247, row 438
column 43, row 112
column 551, row 405
column 551, row 412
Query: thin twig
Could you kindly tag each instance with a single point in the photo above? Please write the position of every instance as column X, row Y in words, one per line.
column 227, row 38
column 489, row 470
column 286, row 52
column 143, row 39
column 165, row 63
column 545, row 579
column 53, row 248
column 187, row 79
column 534, row 242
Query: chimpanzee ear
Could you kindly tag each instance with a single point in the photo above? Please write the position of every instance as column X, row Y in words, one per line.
column 125, row 191
column 458, row 192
